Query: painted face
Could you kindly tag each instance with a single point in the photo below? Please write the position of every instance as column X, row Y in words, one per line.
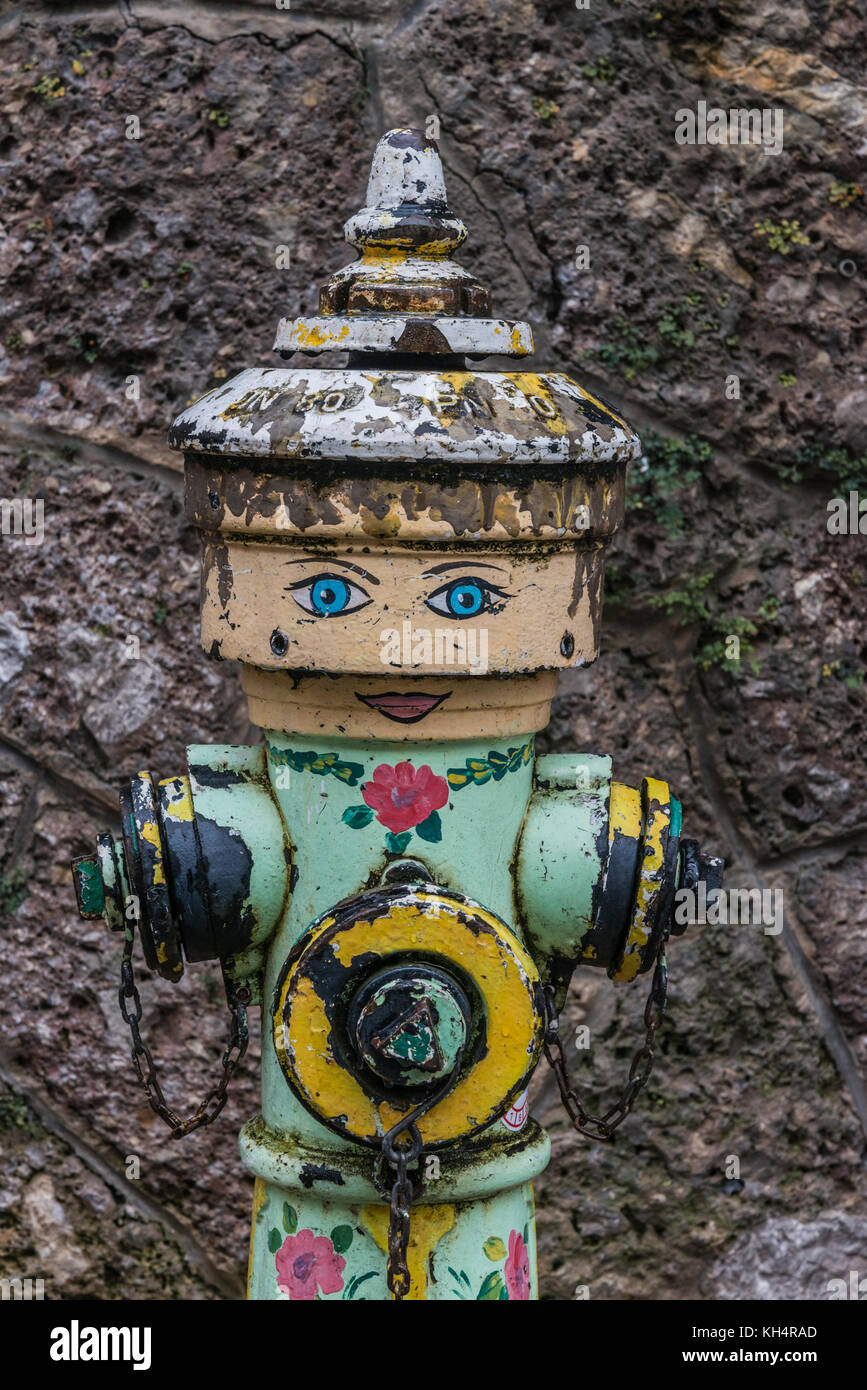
column 462, row 595
column 399, row 708
column 402, row 611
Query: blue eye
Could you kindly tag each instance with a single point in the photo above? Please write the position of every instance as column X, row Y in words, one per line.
column 466, row 598
column 328, row 594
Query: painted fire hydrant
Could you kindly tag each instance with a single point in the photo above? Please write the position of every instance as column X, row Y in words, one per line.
column 402, row 553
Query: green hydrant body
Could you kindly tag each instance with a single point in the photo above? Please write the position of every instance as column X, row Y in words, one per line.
column 401, row 552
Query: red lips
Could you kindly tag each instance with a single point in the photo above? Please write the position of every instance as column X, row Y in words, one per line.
column 406, row 709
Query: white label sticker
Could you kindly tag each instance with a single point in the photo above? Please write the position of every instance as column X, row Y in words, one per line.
column 516, row 1116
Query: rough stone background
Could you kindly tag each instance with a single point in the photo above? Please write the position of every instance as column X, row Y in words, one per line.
column 155, row 258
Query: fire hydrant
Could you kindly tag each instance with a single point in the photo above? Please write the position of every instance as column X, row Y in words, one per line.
column 402, row 553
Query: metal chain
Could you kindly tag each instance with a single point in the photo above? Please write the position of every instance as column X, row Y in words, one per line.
column 399, row 1157
column 603, row 1126
column 402, row 1194
column 143, row 1061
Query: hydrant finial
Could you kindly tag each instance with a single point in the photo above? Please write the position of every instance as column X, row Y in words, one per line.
column 406, row 234
column 406, row 168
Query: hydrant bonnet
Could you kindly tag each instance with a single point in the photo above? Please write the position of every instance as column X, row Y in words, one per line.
column 404, row 453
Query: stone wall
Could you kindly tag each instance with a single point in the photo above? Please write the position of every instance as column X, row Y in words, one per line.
column 722, row 307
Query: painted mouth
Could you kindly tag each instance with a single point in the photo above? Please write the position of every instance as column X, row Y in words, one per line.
column 407, row 709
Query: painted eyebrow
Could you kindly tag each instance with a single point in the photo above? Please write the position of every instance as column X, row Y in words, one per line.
column 462, row 565
column 333, row 560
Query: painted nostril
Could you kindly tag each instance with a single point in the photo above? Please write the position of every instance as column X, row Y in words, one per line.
column 279, row 642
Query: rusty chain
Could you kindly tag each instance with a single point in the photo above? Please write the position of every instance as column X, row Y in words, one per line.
column 603, row 1126
column 143, row 1061
column 403, row 1193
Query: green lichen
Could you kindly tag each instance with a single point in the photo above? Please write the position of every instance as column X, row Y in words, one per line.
column 851, row 676
column 49, row 88
column 844, row 194
column 666, row 469
column 13, row 890
column 544, row 109
column 14, row 1114
column 601, row 68
column 782, row 236
column 845, row 470
column 629, row 354
column 687, row 604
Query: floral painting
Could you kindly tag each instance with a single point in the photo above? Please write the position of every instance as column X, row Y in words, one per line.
column 511, row 1283
column 308, row 1265
column 406, row 800
column 403, row 798
column 311, row 1266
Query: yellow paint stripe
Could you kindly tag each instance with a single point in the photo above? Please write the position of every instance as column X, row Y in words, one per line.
column 650, row 876
column 427, row 1226
column 601, row 404
column 624, row 812
column 150, row 832
column 178, row 801
column 260, row 1193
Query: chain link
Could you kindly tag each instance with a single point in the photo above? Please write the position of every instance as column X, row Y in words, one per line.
column 641, row 1066
column 403, row 1192
column 143, row 1062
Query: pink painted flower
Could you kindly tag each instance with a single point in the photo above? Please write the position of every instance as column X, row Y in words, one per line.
column 517, row 1269
column 403, row 797
column 306, row 1263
